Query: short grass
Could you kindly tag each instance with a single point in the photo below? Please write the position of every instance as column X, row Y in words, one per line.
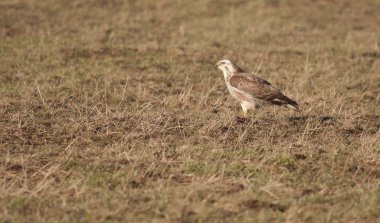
column 113, row 111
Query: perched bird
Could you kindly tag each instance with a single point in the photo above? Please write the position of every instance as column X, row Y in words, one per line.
column 250, row 90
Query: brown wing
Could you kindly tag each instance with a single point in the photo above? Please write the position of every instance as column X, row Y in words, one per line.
column 260, row 89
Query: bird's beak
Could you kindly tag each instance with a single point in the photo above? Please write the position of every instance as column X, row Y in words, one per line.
column 217, row 64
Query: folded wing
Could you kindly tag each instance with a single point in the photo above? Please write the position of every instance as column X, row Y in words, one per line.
column 261, row 89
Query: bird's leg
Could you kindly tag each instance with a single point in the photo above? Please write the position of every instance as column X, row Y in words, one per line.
column 245, row 111
column 245, row 114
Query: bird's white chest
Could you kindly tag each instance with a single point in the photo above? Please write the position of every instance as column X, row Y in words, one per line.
column 235, row 92
column 246, row 100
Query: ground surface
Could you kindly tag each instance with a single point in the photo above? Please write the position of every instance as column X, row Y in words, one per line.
column 113, row 111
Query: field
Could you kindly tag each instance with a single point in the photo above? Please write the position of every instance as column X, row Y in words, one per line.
column 113, row 111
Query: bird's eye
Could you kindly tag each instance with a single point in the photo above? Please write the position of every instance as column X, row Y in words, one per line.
column 223, row 63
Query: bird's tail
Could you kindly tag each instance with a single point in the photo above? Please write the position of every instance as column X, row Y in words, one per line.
column 282, row 100
column 292, row 104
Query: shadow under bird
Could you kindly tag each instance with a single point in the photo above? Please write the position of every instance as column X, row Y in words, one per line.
column 250, row 90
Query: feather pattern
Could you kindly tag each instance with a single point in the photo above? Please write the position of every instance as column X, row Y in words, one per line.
column 250, row 89
column 260, row 89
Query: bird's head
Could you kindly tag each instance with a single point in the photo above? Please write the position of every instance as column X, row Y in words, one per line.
column 227, row 66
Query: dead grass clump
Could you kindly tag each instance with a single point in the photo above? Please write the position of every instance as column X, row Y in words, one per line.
column 113, row 111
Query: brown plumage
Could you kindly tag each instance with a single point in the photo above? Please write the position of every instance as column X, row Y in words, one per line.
column 249, row 89
column 260, row 89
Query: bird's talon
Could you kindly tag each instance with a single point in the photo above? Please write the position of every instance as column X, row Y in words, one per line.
column 240, row 119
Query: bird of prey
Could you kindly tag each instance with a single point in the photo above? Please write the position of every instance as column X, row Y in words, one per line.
column 250, row 90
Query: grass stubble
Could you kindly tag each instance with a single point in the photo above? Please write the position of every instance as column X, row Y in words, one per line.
column 113, row 111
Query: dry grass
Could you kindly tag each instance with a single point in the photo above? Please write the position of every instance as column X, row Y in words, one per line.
column 113, row 111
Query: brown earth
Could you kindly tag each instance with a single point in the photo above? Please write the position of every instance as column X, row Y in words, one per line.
column 114, row 111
